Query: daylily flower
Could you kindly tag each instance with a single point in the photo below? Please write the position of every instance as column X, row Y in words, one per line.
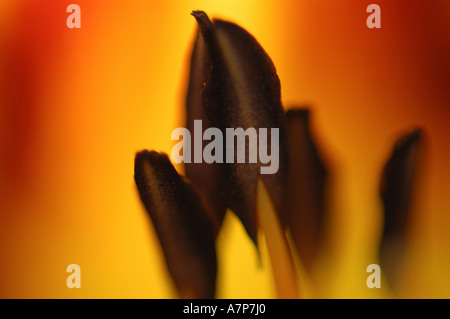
column 233, row 83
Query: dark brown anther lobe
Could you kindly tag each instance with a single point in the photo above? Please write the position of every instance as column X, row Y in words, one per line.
column 396, row 189
column 203, row 175
column 306, row 186
column 243, row 91
column 183, row 227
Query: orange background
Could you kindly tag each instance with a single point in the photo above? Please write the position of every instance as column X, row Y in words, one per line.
column 76, row 104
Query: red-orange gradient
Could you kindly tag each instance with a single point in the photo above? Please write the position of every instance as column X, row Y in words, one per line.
column 76, row 104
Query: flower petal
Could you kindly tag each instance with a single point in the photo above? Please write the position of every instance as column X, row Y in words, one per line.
column 183, row 227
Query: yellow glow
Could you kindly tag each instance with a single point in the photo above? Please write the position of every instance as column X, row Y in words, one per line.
column 76, row 105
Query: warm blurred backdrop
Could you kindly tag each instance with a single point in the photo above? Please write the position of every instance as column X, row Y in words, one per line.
column 76, row 104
